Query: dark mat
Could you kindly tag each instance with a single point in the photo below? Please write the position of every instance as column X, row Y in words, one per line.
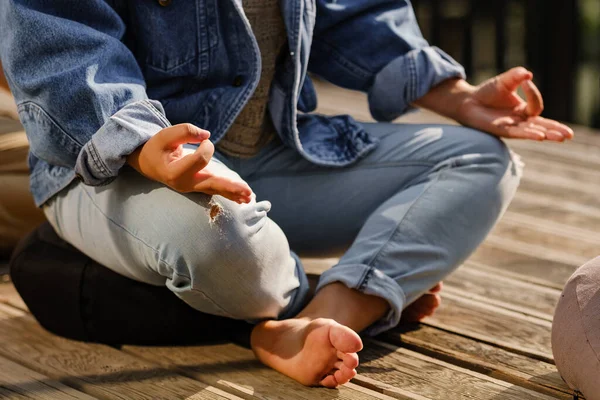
column 73, row 296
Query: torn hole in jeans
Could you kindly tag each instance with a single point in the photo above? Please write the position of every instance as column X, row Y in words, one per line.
column 215, row 210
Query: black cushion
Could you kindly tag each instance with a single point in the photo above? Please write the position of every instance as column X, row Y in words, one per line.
column 73, row 296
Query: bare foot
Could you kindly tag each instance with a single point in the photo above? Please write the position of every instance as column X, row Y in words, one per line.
column 313, row 352
column 424, row 306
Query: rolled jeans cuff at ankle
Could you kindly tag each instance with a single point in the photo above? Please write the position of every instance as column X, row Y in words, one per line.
column 369, row 280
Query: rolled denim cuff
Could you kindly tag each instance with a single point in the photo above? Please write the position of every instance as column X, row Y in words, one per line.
column 369, row 280
column 408, row 78
column 101, row 158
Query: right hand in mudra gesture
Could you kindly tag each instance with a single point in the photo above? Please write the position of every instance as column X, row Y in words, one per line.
column 163, row 159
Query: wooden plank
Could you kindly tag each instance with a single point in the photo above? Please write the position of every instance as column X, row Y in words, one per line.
column 8, row 125
column 554, row 168
column 561, row 189
column 97, row 370
column 505, row 292
column 551, row 269
column 397, row 373
column 518, row 275
column 570, row 244
column 541, row 252
column 236, row 370
column 570, row 213
column 510, row 330
column 574, row 153
column 9, row 295
column 18, row 382
column 389, row 367
column 480, row 357
column 549, row 227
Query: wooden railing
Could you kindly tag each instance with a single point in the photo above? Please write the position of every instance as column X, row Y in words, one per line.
column 490, row 36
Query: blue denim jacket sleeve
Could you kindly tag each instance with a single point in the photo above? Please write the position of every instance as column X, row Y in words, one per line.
column 80, row 91
column 377, row 47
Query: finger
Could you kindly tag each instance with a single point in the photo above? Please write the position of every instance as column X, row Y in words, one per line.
column 329, row 382
column 551, row 134
column 511, row 79
column 555, row 136
column 244, row 200
column 186, row 167
column 535, row 102
column 180, row 134
column 520, row 132
column 232, row 190
column 554, row 125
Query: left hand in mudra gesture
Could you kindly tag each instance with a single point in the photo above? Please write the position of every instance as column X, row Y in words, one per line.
column 496, row 108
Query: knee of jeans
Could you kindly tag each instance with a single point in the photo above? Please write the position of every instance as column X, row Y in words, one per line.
column 253, row 282
column 481, row 147
column 247, row 272
column 471, row 141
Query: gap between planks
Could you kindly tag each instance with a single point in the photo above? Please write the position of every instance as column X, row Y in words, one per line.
column 18, row 382
column 94, row 369
column 506, row 329
column 383, row 390
column 106, row 372
column 481, row 357
column 386, row 369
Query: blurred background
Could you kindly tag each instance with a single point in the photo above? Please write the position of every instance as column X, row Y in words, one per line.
column 559, row 40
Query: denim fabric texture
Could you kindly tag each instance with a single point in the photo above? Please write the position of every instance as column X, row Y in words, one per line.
column 95, row 79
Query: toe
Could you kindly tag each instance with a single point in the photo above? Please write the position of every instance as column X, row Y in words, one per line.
column 350, row 359
column 329, row 382
column 437, row 288
column 345, row 339
column 423, row 307
column 344, row 375
column 435, row 302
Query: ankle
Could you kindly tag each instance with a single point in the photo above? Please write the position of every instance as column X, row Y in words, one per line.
column 346, row 306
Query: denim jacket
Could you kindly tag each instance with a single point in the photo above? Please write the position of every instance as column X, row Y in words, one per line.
column 95, row 79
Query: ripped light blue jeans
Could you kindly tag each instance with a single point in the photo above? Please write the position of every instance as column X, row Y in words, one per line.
column 406, row 216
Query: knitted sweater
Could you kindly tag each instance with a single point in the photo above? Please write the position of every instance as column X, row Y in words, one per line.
column 252, row 128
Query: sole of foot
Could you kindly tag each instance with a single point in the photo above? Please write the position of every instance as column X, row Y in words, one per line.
column 312, row 352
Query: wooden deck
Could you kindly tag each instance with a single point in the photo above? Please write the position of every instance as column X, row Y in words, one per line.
column 489, row 340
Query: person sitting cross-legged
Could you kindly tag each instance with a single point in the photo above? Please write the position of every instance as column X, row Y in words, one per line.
column 173, row 142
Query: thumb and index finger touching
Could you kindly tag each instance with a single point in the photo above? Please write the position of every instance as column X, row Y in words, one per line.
column 185, row 169
column 519, row 76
